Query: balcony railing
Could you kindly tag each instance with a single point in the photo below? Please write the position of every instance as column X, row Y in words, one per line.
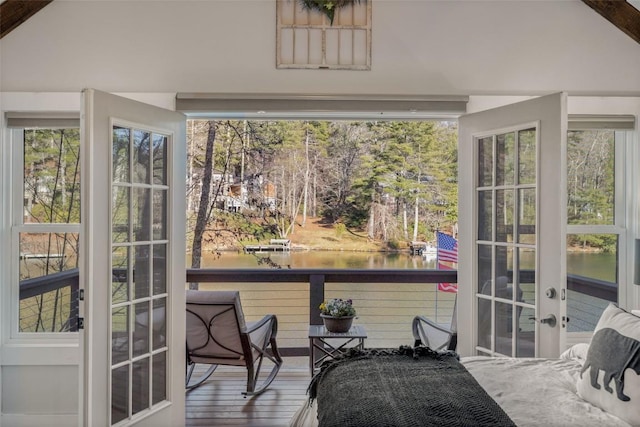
column 50, row 303
column 386, row 299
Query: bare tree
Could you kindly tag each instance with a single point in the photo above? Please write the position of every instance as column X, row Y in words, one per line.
column 203, row 207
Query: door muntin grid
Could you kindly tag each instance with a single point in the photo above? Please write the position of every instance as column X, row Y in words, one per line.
column 506, row 241
column 139, row 248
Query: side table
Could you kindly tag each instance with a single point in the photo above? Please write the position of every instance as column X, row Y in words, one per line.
column 320, row 348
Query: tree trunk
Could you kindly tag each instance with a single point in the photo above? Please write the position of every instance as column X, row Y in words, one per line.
column 415, row 221
column 190, row 151
column 306, row 180
column 372, row 218
column 405, row 226
column 383, row 216
column 314, row 211
column 201, row 221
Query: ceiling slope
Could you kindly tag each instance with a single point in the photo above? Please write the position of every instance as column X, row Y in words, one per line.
column 15, row 12
column 620, row 13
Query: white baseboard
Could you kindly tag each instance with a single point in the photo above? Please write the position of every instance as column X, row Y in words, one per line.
column 23, row 420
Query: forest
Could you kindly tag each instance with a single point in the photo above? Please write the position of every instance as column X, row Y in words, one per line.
column 391, row 181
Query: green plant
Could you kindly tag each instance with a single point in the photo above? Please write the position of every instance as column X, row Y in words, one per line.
column 328, row 7
column 393, row 244
column 338, row 307
column 340, row 229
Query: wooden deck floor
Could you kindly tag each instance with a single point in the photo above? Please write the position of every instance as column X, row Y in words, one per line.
column 219, row 402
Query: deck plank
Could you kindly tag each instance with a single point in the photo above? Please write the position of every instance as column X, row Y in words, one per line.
column 219, row 402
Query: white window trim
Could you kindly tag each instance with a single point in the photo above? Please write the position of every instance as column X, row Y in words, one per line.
column 12, row 225
column 623, row 206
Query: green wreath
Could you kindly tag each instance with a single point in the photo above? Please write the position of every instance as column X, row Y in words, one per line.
column 328, row 7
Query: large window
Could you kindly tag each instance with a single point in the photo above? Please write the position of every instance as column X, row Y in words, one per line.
column 46, row 227
column 596, row 223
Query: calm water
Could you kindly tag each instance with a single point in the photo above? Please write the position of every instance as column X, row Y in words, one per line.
column 596, row 265
column 319, row 259
column 601, row 266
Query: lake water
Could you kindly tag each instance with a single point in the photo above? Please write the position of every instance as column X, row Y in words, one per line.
column 595, row 265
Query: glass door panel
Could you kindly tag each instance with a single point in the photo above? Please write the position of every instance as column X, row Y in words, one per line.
column 506, row 209
column 526, row 332
column 505, row 159
column 525, row 279
column 139, row 295
column 485, row 215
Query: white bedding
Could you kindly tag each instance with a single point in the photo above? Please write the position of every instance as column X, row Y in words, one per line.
column 538, row 392
column 533, row 392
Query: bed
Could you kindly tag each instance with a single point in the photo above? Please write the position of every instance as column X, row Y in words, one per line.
column 370, row 389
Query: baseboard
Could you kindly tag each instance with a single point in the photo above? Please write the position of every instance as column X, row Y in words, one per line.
column 24, row 420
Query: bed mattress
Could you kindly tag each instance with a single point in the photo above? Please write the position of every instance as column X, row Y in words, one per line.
column 532, row 392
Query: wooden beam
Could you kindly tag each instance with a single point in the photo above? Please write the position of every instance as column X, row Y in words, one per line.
column 15, row 12
column 620, row 13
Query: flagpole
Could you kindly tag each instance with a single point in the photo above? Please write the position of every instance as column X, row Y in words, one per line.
column 437, row 267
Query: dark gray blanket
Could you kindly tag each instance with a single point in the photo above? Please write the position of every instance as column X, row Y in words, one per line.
column 402, row 387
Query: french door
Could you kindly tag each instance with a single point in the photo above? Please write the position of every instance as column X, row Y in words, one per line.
column 512, row 223
column 133, row 223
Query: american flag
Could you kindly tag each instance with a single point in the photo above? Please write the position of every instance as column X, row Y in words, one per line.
column 447, row 252
column 447, row 248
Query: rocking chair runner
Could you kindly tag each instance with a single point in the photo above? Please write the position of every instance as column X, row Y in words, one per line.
column 217, row 335
column 435, row 335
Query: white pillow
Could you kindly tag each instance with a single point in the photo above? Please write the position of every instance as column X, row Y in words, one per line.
column 610, row 376
column 576, row 352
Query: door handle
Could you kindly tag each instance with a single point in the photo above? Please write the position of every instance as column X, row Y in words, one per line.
column 549, row 320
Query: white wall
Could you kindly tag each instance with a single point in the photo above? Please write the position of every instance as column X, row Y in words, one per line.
column 419, row 47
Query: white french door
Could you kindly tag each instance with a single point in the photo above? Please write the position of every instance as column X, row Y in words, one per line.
column 512, row 223
column 133, row 223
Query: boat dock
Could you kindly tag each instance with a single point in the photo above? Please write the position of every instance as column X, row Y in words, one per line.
column 39, row 256
column 422, row 248
column 275, row 245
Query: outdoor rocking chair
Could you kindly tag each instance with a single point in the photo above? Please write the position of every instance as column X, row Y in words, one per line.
column 217, row 335
column 436, row 336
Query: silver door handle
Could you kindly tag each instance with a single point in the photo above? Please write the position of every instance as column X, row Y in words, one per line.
column 549, row 320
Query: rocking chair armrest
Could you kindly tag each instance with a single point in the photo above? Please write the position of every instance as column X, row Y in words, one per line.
column 431, row 323
column 416, row 327
column 259, row 324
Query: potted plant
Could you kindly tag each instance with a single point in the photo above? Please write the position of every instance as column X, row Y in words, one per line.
column 337, row 314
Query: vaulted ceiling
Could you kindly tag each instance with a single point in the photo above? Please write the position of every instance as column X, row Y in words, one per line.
column 15, row 12
column 620, row 13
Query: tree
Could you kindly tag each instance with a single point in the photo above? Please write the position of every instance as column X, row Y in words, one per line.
column 203, row 206
column 361, row 174
column 590, row 177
